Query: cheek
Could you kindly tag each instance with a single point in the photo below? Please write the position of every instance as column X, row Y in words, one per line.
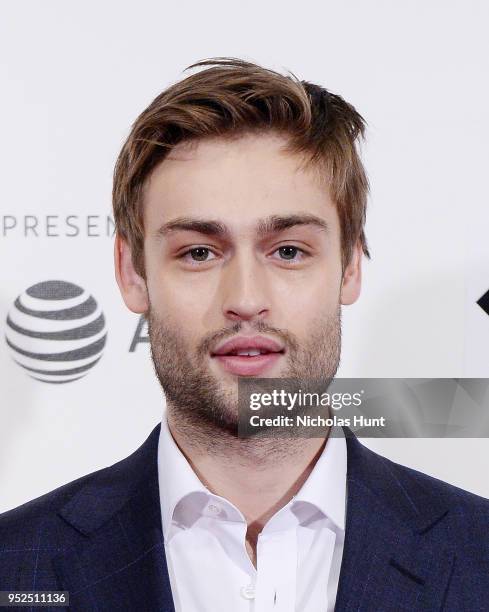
column 318, row 290
column 175, row 308
column 180, row 311
column 192, row 302
column 174, row 295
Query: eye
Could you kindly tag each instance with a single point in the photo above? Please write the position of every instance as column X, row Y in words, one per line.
column 198, row 255
column 290, row 253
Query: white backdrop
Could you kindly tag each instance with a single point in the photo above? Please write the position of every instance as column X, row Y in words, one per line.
column 74, row 77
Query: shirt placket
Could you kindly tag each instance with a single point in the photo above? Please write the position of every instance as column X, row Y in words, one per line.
column 275, row 588
column 231, row 535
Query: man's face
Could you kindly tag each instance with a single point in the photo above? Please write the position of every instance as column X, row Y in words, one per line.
column 239, row 245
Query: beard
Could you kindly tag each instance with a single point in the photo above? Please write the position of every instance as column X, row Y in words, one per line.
column 201, row 401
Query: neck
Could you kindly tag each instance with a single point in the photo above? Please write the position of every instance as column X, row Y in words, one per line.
column 258, row 476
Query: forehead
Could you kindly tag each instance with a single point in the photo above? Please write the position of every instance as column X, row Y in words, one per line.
column 236, row 181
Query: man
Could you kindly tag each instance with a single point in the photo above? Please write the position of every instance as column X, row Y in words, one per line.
column 239, row 201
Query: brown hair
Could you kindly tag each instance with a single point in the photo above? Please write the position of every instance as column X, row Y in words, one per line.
column 234, row 97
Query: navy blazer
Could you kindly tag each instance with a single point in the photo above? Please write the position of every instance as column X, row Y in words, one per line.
column 412, row 542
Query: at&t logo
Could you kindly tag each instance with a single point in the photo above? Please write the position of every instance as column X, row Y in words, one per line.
column 56, row 331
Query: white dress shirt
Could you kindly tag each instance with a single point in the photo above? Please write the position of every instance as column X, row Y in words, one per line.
column 299, row 550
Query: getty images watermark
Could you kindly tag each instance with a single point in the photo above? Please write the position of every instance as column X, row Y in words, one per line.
column 299, row 400
column 392, row 407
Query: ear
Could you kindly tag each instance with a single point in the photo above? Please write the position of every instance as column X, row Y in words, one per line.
column 132, row 286
column 352, row 277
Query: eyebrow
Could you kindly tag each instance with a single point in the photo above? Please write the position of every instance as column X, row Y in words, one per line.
column 264, row 227
column 278, row 223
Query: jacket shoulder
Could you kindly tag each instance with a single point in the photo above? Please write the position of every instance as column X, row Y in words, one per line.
column 37, row 513
column 33, row 533
column 430, row 486
column 385, row 477
column 101, row 485
column 56, row 523
column 465, row 515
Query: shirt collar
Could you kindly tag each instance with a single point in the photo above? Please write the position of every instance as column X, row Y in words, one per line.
column 176, row 477
column 325, row 487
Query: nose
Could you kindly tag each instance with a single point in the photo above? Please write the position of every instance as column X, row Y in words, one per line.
column 245, row 290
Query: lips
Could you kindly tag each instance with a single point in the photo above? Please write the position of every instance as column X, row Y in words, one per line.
column 254, row 344
column 248, row 356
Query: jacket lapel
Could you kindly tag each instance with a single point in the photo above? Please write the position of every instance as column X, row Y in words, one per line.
column 119, row 560
column 395, row 555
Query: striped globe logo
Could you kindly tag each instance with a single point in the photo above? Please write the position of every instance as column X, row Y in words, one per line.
column 56, row 332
